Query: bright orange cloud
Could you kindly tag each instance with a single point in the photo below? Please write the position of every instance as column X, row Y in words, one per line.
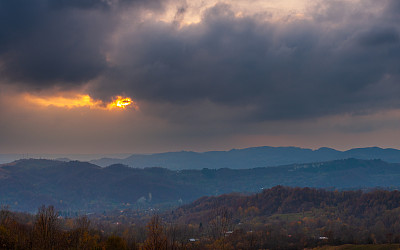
column 121, row 102
column 80, row 100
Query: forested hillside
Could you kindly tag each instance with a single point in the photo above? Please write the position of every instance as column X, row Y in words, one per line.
column 283, row 217
column 72, row 186
column 276, row 218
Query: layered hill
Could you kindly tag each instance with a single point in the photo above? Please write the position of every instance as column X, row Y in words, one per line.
column 27, row 184
column 249, row 157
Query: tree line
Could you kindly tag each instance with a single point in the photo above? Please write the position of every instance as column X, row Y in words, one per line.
column 276, row 218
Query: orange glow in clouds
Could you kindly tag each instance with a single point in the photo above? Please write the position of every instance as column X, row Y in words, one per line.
column 80, row 100
column 120, row 102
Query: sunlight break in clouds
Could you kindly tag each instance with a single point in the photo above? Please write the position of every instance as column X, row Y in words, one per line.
column 81, row 100
column 184, row 13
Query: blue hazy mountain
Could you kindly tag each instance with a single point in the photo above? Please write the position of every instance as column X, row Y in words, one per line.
column 249, row 157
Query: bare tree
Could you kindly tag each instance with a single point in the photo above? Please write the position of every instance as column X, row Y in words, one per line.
column 81, row 237
column 156, row 239
column 4, row 215
column 46, row 229
column 220, row 221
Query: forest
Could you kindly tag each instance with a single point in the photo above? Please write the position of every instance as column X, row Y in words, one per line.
column 80, row 186
column 276, row 218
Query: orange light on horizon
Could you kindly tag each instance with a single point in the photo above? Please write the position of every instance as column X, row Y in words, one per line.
column 80, row 100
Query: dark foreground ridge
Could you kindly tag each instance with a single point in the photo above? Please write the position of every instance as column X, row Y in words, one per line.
column 81, row 186
column 276, row 218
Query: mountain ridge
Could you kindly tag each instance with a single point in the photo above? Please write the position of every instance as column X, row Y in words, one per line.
column 264, row 156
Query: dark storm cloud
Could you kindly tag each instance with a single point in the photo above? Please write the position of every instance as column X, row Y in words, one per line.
column 104, row 4
column 377, row 36
column 41, row 45
column 338, row 59
column 57, row 42
column 287, row 70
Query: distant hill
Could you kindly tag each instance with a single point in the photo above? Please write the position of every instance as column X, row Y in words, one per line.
column 249, row 157
column 7, row 158
column 74, row 185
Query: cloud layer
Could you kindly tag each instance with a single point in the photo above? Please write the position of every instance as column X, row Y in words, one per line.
column 208, row 64
column 339, row 57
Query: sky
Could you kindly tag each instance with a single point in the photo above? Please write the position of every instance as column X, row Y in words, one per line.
column 145, row 76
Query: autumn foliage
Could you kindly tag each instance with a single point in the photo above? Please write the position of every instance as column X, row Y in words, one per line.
column 277, row 218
